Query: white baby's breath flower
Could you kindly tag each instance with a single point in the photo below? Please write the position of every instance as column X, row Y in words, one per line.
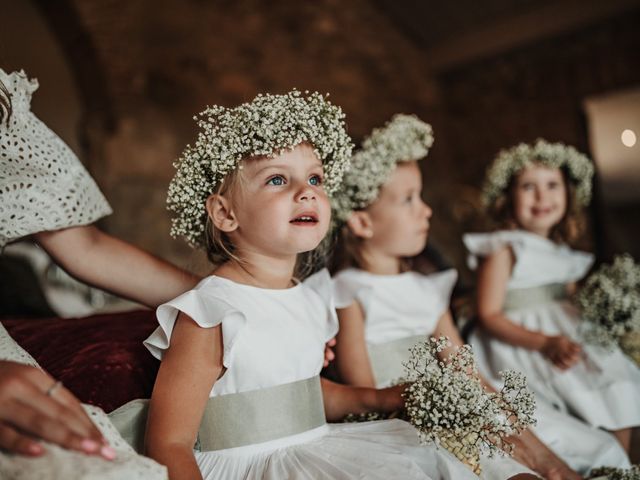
column 446, row 400
column 265, row 126
column 555, row 155
column 404, row 138
column 610, row 302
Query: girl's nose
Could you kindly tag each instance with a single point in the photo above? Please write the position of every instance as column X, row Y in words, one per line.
column 305, row 193
column 427, row 209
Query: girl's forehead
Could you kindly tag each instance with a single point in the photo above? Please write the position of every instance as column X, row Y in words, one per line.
column 302, row 155
column 538, row 170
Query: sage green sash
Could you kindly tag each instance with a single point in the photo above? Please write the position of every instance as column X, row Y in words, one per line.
column 258, row 416
column 387, row 359
column 240, row 419
column 529, row 297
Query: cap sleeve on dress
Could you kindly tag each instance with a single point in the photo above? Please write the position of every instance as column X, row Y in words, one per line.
column 321, row 283
column 442, row 284
column 581, row 262
column 207, row 311
column 484, row 244
column 348, row 287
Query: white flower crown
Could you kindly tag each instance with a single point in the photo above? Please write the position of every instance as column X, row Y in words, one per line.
column 404, row 138
column 265, row 126
column 556, row 155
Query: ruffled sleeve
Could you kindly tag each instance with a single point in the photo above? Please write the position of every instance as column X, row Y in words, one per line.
column 207, row 309
column 442, row 284
column 484, row 244
column 348, row 287
column 580, row 264
column 321, row 283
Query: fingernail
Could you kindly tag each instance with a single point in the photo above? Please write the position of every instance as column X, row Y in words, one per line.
column 35, row 448
column 89, row 445
column 108, row 453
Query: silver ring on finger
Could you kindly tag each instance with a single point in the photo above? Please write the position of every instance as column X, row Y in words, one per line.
column 51, row 390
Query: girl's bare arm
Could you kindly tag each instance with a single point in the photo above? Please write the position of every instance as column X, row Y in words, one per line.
column 493, row 274
column 352, row 358
column 187, row 373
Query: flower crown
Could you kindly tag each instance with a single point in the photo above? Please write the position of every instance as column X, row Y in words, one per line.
column 555, row 155
column 404, row 138
column 265, row 126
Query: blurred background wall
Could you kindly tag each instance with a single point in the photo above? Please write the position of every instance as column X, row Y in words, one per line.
column 121, row 80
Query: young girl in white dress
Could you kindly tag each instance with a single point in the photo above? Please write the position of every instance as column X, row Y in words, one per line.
column 238, row 393
column 385, row 307
column 536, row 193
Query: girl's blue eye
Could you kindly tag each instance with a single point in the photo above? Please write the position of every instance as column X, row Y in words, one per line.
column 553, row 185
column 315, row 180
column 277, row 181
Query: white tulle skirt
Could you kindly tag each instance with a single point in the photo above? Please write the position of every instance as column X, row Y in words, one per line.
column 598, row 389
column 374, row 450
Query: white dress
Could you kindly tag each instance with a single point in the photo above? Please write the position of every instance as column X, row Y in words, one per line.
column 60, row 464
column 274, row 337
column 597, row 390
column 599, row 387
column 43, row 185
column 408, row 305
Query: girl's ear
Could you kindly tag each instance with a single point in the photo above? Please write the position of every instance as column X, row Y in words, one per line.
column 221, row 214
column 360, row 224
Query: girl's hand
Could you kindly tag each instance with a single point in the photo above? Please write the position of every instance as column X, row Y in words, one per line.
column 33, row 407
column 328, row 352
column 390, row 399
column 561, row 351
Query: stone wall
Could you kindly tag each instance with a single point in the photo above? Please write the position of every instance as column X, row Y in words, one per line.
column 143, row 68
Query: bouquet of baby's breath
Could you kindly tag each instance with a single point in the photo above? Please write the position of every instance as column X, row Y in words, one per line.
column 611, row 473
column 448, row 405
column 610, row 303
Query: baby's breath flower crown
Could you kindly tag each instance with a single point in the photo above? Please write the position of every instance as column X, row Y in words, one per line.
column 404, row 138
column 555, row 155
column 610, row 303
column 265, row 126
column 446, row 402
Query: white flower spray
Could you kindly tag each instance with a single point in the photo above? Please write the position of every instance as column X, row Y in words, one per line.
column 610, row 304
column 448, row 405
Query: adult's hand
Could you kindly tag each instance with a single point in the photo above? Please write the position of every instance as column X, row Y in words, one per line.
column 33, row 406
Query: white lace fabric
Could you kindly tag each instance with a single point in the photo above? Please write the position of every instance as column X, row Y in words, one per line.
column 43, row 185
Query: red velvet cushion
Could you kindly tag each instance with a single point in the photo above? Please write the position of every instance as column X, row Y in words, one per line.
column 100, row 358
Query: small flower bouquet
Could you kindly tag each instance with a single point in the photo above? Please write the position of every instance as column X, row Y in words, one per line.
column 610, row 473
column 610, row 303
column 448, row 405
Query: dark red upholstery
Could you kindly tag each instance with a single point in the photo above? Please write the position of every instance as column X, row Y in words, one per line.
column 100, row 358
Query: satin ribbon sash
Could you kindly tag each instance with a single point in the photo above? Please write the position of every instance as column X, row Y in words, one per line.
column 239, row 419
column 530, row 297
column 257, row 416
column 387, row 359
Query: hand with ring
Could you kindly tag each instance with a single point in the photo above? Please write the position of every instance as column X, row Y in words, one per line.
column 33, row 407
